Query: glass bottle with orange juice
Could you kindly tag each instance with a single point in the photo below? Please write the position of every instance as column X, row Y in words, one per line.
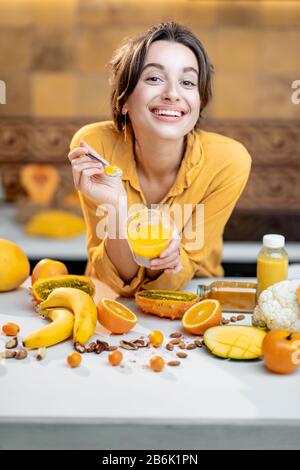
column 233, row 296
column 272, row 262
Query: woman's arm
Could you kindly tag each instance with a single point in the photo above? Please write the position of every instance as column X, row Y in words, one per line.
column 203, row 257
column 110, row 254
column 117, row 247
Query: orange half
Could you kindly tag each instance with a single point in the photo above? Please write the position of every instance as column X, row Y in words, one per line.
column 201, row 316
column 115, row 317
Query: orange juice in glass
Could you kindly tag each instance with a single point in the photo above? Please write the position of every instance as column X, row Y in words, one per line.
column 149, row 232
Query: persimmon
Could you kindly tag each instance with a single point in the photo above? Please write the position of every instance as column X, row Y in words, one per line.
column 281, row 351
column 47, row 268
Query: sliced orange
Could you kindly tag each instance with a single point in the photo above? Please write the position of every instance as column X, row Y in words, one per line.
column 201, row 316
column 115, row 316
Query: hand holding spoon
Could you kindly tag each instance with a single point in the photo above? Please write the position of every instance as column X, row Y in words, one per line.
column 109, row 170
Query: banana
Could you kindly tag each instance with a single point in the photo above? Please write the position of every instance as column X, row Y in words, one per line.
column 81, row 304
column 60, row 329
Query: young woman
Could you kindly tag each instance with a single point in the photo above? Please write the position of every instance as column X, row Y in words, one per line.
column 160, row 84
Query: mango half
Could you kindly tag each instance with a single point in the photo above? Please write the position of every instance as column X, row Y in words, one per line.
column 235, row 341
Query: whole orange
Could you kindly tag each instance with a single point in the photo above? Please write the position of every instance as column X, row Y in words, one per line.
column 47, row 268
column 281, row 351
column 14, row 266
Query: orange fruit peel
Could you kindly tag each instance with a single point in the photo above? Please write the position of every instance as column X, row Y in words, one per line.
column 115, row 316
column 201, row 316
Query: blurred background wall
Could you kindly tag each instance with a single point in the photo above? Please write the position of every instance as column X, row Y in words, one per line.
column 53, row 56
column 54, row 53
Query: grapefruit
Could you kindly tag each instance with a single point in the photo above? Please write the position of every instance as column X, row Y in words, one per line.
column 14, row 266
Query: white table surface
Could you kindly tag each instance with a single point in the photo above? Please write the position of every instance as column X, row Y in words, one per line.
column 206, row 402
column 75, row 248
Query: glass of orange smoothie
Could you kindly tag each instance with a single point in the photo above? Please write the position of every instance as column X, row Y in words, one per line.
column 149, row 232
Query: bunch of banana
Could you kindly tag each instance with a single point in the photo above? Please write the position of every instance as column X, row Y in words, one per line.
column 67, row 300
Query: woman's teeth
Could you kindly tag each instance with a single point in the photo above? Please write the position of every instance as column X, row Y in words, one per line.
column 167, row 113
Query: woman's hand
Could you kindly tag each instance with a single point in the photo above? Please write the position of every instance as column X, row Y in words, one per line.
column 90, row 179
column 169, row 259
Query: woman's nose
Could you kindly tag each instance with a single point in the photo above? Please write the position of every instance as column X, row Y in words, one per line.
column 170, row 92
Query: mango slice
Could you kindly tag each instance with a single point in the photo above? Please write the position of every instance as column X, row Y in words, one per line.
column 55, row 224
column 235, row 341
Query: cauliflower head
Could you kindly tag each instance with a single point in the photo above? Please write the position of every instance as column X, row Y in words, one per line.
column 278, row 307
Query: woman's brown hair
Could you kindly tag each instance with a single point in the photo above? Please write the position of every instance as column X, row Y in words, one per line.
column 128, row 61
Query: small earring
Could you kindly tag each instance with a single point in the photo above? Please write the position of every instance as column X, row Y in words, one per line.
column 124, row 111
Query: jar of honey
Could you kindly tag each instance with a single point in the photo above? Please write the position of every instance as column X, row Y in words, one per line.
column 233, row 296
column 272, row 262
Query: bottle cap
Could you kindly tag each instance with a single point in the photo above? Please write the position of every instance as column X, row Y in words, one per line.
column 200, row 290
column 273, row 241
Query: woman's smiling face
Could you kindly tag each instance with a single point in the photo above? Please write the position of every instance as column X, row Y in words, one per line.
column 166, row 99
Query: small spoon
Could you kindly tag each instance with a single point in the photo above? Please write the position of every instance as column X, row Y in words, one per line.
column 109, row 170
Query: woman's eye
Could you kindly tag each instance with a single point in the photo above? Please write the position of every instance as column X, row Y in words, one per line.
column 188, row 83
column 153, row 79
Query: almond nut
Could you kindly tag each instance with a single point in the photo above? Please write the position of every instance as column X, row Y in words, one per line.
column 240, row 317
column 191, row 346
column 177, row 334
column 170, row 346
column 181, row 354
column 175, row 341
column 173, row 363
